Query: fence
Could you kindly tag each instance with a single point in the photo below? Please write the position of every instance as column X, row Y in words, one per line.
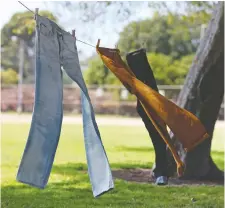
column 107, row 99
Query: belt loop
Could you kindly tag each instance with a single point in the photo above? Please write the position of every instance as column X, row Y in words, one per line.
column 60, row 38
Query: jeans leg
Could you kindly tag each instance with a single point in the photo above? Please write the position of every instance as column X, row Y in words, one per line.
column 138, row 63
column 46, row 123
column 98, row 165
column 160, row 168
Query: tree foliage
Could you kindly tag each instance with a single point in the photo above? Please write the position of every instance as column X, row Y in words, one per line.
column 98, row 74
column 20, row 26
column 123, row 10
column 161, row 34
column 166, row 70
column 9, row 76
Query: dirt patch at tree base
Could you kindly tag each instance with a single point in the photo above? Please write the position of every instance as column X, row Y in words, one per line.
column 145, row 176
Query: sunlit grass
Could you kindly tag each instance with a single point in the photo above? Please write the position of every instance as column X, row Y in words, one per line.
column 69, row 184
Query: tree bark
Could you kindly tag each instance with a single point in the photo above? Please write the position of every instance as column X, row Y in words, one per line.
column 202, row 95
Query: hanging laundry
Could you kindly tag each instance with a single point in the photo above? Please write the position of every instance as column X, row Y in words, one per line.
column 138, row 63
column 55, row 48
column 186, row 127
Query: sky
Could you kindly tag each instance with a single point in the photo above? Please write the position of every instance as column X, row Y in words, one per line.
column 107, row 30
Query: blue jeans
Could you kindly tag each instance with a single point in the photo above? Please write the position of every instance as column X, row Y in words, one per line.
column 56, row 48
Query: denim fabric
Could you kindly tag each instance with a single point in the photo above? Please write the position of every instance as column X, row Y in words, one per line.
column 138, row 63
column 56, row 48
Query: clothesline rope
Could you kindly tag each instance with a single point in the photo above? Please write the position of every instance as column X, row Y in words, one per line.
column 26, row 7
column 34, row 13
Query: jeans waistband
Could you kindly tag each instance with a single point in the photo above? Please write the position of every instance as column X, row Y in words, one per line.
column 50, row 25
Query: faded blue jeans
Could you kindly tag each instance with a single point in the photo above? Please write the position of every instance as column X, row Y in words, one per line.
column 56, row 48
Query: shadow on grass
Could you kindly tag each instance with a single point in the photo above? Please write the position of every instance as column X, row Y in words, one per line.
column 70, row 168
column 135, row 149
column 218, row 156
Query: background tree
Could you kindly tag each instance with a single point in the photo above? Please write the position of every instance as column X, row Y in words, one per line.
column 161, row 34
column 98, row 74
column 122, row 10
column 9, row 77
column 168, row 71
column 20, row 27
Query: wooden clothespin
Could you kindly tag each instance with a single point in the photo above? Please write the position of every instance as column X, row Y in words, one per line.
column 116, row 46
column 98, row 43
column 36, row 13
column 73, row 33
column 143, row 45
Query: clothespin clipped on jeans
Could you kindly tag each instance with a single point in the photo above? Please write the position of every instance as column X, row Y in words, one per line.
column 73, row 33
column 143, row 45
column 116, row 46
column 36, row 13
column 98, row 43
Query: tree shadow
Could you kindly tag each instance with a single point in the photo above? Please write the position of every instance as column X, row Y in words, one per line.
column 135, row 149
column 70, row 169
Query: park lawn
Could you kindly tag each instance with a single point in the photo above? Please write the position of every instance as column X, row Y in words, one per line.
column 69, row 187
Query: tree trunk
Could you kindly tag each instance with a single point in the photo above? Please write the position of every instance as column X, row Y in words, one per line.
column 202, row 95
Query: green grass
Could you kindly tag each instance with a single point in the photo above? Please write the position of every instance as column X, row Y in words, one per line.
column 69, row 114
column 69, row 185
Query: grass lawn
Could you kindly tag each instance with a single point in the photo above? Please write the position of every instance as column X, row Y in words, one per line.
column 69, row 185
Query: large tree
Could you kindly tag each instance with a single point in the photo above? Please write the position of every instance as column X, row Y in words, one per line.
column 202, row 95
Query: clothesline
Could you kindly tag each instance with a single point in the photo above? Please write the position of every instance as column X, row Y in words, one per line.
column 34, row 13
